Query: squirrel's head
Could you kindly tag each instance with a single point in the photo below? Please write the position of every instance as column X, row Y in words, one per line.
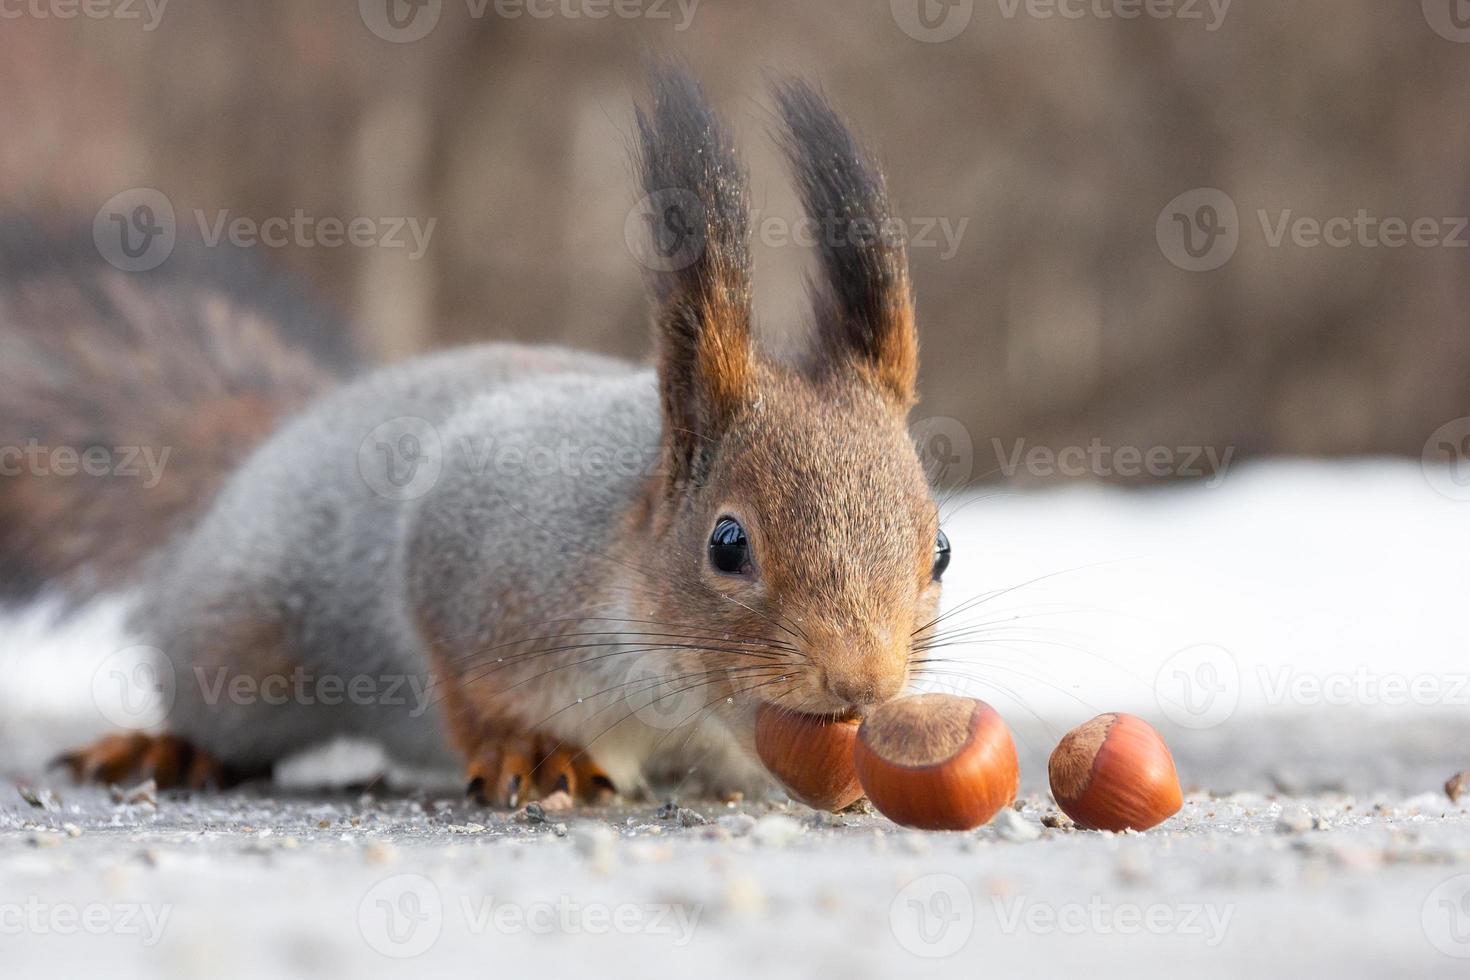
column 793, row 508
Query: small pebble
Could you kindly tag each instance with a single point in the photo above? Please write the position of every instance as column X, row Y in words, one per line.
column 1457, row 785
column 41, row 799
column 1013, row 827
column 379, row 852
column 594, row 841
column 1295, row 820
column 776, row 830
column 684, row 816
column 1057, row 820
column 737, row 824
column 145, row 792
column 558, row 802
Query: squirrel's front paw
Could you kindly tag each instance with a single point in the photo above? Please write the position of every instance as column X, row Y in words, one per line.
column 508, row 772
column 172, row 762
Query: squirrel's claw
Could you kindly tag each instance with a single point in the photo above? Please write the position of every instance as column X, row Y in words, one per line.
column 170, row 761
column 509, row 773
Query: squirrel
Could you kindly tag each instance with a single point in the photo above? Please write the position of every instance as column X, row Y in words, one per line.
column 553, row 546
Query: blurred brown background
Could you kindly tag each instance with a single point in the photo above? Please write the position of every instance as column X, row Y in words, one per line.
column 1050, row 143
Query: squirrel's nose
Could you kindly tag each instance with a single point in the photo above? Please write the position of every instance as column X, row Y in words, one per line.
column 864, row 689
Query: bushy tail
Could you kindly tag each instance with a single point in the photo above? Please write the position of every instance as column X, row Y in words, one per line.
column 126, row 398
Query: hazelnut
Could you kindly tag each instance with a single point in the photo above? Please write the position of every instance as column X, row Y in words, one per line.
column 937, row 762
column 812, row 756
column 1115, row 773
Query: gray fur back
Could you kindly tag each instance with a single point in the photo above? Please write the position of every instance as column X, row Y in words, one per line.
column 301, row 562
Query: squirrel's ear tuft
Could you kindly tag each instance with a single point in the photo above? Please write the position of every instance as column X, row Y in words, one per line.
column 864, row 304
column 697, row 210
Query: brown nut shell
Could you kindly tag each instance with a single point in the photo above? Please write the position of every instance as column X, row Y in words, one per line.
column 937, row 762
column 812, row 756
column 1115, row 773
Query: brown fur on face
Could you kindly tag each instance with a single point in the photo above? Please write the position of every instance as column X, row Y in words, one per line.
column 825, row 480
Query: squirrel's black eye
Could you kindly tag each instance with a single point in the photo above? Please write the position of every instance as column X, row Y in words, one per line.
column 941, row 555
column 729, row 549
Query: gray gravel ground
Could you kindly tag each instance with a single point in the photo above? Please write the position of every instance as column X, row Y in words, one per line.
column 1269, row 874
